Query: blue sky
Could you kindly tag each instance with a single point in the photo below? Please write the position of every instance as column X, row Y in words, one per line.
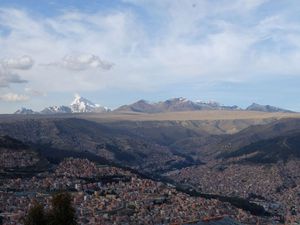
column 116, row 52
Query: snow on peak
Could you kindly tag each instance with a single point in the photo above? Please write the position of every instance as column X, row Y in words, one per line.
column 80, row 105
column 181, row 99
column 56, row 109
column 209, row 102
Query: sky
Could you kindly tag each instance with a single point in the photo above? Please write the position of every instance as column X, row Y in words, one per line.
column 115, row 52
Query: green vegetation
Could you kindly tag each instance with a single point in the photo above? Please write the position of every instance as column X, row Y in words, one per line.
column 61, row 213
column 36, row 215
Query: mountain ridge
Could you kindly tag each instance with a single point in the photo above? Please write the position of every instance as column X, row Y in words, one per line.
column 83, row 105
column 78, row 105
column 183, row 104
column 266, row 108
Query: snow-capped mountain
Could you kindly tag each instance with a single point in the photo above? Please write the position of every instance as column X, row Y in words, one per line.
column 174, row 105
column 83, row 105
column 56, row 109
column 78, row 105
column 177, row 104
column 213, row 105
column 25, row 111
column 208, row 103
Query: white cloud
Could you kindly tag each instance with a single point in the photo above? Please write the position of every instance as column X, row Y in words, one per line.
column 13, row 97
column 82, row 62
column 7, row 67
column 7, row 77
column 175, row 41
column 21, row 63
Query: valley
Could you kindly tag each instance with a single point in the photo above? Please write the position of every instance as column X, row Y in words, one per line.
column 248, row 155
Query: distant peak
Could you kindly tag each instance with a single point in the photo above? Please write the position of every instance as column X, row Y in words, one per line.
column 265, row 108
column 142, row 101
column 78, row 99
column 81, row 105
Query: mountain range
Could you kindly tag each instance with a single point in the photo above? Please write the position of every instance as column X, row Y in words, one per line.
column 156, row 146
column 83, row 105
column 78, row 105
column 266, row 108
column 174, row 105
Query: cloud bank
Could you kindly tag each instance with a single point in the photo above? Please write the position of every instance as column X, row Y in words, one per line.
column 82, row 62
column 8, row 77
column 13, row 97
column 155, row 45
column 22, row 63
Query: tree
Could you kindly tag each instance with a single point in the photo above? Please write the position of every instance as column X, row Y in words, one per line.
column 62, row 212
column 36, row 215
